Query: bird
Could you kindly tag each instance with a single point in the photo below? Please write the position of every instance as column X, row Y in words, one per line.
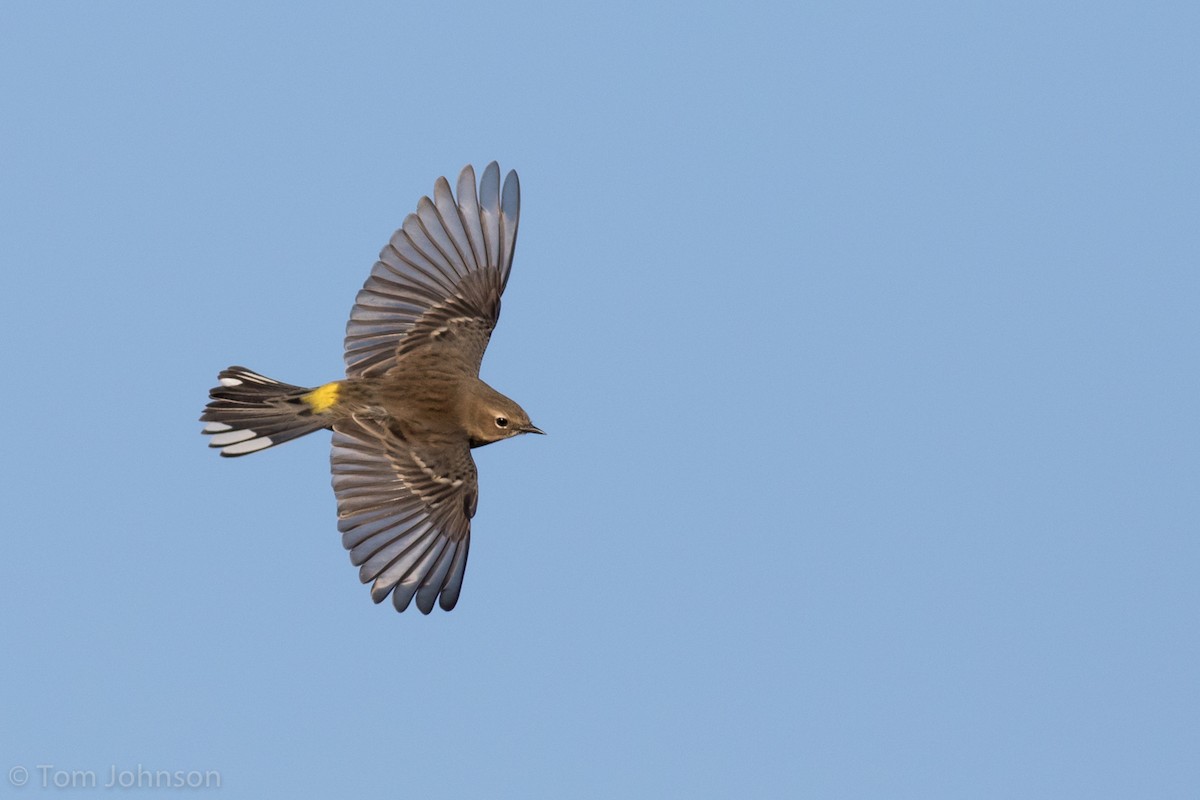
column 412, row 406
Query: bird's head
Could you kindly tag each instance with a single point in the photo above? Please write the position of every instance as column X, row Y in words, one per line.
column 491, row 417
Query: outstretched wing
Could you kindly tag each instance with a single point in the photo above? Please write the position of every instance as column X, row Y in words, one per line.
column 404, row 512
column 439, row 280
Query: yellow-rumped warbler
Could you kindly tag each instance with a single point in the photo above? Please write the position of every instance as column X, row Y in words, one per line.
column 412, row 405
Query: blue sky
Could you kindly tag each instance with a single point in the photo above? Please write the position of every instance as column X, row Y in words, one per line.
column 865, row 337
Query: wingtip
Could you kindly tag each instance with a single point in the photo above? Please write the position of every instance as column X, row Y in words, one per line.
column 489, row 183
column 511, row 195
column 425, row 606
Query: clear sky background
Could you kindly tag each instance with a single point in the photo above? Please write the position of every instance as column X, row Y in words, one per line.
column 865, row 337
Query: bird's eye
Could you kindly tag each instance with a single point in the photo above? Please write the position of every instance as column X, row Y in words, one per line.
column 501, row 422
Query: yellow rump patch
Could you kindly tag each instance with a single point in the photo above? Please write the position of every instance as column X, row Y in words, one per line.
column 324, row 397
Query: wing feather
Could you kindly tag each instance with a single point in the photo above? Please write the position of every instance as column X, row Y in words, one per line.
column 439, row 279
column 404, row 512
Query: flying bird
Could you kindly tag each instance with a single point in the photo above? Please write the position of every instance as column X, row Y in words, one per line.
column 412, row 405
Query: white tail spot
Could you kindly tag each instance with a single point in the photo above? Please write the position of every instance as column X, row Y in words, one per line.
column 217, row 427
column 230, row 382
column 248, row 446
column 232, row 437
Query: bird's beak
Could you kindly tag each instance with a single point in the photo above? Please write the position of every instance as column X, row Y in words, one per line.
column 533, row 429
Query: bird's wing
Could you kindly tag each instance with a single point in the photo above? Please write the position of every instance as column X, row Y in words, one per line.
column 404, row 512
column 439, row 280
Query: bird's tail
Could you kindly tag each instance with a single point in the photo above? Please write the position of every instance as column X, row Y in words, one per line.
column 249, row 412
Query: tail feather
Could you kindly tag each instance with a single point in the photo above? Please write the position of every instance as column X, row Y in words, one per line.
column 249, row 412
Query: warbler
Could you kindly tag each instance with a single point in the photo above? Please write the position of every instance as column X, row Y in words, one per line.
column 412, row 405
